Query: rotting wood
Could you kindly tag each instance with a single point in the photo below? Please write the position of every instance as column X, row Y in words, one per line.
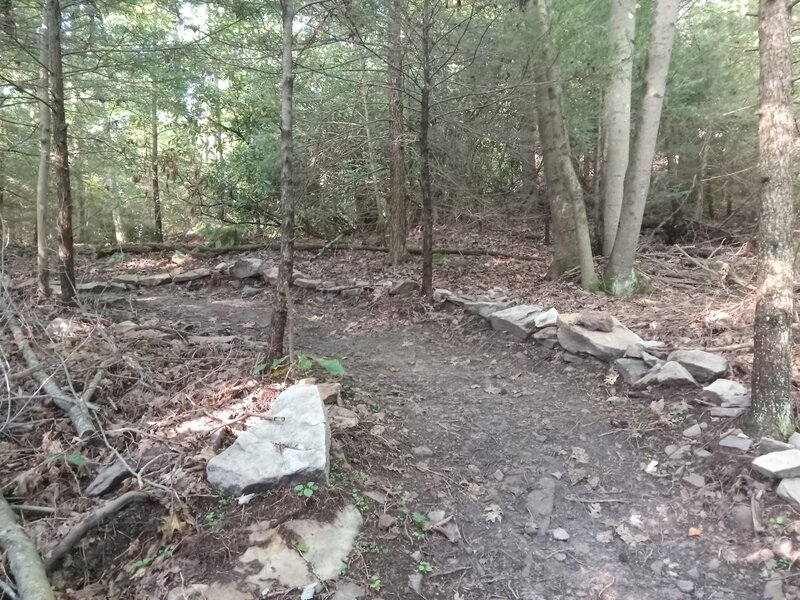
column 300, row 246
column 92, row 520
column 23, row 558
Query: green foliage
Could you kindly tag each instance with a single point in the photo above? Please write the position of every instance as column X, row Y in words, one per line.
column 74, row 459
column 375, row 583
column 331, row 365
column 424, row 566
column 163, row 553
column 223, row 236
column 301, row 546
column 306, row 490
column 360, row 502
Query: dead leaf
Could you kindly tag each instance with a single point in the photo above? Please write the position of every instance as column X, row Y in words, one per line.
column 577, row 475
column 579, row 455
column 695, row 531
column 629, row 537
column 171, row 524
column 594, row 510
column 493, row 513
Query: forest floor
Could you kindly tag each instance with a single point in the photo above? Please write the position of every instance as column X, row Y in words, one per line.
column 454, row 420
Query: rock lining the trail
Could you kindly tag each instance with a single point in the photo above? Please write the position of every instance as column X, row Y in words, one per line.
column 605, row 345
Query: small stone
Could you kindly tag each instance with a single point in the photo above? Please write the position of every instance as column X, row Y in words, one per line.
column 693, row 573
column 155, row 280
column 693, row 431
column 246, row 267
column 773, row 590
column 657, row 566
column 249, row 291
column 789, row 490
column 547, row 318
column 742, row 518
column 794, row 440
column 415, row 582
column 695, row 480
column 670, row 373
column 498, row 475
column 422, row 452
column 714, row 564
column 727, row 412
column 685, row 585
column 704, row 366
column 767, row 445
column 404, row 288
column 560, row 556
column 385, row 521
column 737, row 442
column 596, row 321
column 308, row 284
column 701, row 453
column 779, row 465
column 416, row 556
column 192, row 275
column 727, row 393
column 639, row 349
column 631, row 369
column 347, row 590
column 560, row 534
column 342, row 418
column 329, row 392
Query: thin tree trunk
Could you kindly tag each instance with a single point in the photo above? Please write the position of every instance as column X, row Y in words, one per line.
column 159, row 232
column 398, row 219
column 700, row 186
column 45, row 116
column 620, row 276
column 373, row 163
column 617, row 116
column 7, row 23
column 77, row 180
column 772, row 413
column 66, row 256
column 23, row 558
column 570, row 225
column 424, row 155
column 281, row 310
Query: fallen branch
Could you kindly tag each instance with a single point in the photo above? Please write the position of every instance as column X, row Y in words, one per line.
column 300, row 246
column 94, row 518
column 76, row 408
column 23, row 558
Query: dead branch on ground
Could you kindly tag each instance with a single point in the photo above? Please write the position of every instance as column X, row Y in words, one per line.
column 24, row 560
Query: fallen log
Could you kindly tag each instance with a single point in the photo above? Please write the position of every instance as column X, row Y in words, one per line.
column 202, row 250
column 94, row 518
column 75, row 408
column 23, row 558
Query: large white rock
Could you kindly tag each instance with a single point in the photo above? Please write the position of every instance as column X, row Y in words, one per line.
column 779, row 465
column 246, row 267
column 727, row 393
column 789, row 490
column 605, row 345
column 518, row 321
column 485, row 308
column 704, row 366
column 547, row 318
column 292, row 446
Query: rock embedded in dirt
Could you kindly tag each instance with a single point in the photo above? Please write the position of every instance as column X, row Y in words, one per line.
column 342, row 418
column 606, row 346
column 779, row 465
column 773, row 590
column 728, row 412
column 741, row 518
column 421, row 452
column 794, row 440
column 737, row 442
column 767, row 445
column 596, row 321
column 270, row 275
column 307, row 284
column 99, row 287
column 639, row 349
column 560, row 534
column 695, row 479
column 403, row 288
column 547, row 337
column 485, row 309
column 246, row 267
column 694, row 431
column 789, row 490
column 685, row 585
column 540, row 503
column 385, row 521
column 547, row 318
column 704, row 366
column 329, row 392
column 415, row 583
column 109, row 478
column 192, row 275
column 154, row 280
column 631, row 369
column 727, row 393
column 517, row 321
column 670, row 373
column 249, row 291
column 292, row 446
column 348, row 590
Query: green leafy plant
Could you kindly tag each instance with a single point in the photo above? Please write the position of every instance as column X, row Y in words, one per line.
column 331, row 365
column 778, row 521
column 117, row 258
column 306, row 490
column 361, row 503
column 162, row 554
column 224, row 500
column 301, row 546
column 342, row 570
column 211, row 517
column 74, row 459
column 424, row 566
column 677, row 415
column 375, row 583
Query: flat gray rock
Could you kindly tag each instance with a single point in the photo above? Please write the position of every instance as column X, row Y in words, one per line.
column 767, row 445
column 727, row 393
column 642, row 347
column 246, row 267
column 597, row 321
column 693, row 431
column 794, row 440
column 695, row 480
column 404, row 288
column 728, row 412
column 548, row 318
column 154, row 280
column 292, row 447
column 605, row 345
column 308, row 284
column 518, row 321
column 737, row 442
column 631, row 369
column 109, row 478
column 789, row 490
column 99, row 287
column 192, row 275
column 704, row 366
column 540, row 503
column 485, row 308
column 779, row 465
column 670, row 373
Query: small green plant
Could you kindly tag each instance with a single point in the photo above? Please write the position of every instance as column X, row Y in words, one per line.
column 223, row 500
column 677, row 415
column 301, row 546
column 117, row 258
column 361, row 504
column 74, row 459
column 342, row 570
column 783, row 563
column 375, row 583
column 163, row 553
column 439, row 256
column 424, row 566
column 777, row 521
column 306, row 490
column 211, row 517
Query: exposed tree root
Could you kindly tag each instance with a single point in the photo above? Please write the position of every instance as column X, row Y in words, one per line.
column 209, row 251
column 92, row 520
column 23, row 558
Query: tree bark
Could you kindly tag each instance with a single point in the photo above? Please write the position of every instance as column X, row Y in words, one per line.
column 425, row 155
column 373, row 163
column 700, row 185
column 158, row 228
column 8, row 24
column 23, row 558
column 620, row 276
column 281, row 311
column 45, row 115
column 772, row 413
column 398, row 220
column 570, row 225
column 66, row 256
column 617, row 116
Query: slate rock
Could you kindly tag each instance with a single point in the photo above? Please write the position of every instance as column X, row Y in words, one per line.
column 348, row 591
column 329, row 392
column 100, row 287
column 547, row 318
column 596, row 321
column 767, row 445
column 342, row 418
column 442, row 295
column 154, row 280
column 704, row 366
column 631, row 369
column 404, row 288
column 292, row 446
column 728, row 412
column 779, row 465
column 606, row 346
column 651, row 360
column 789, row 490
column 270, row 275
column 540, row 503
column 249, row 291
column 737, row 442
column 670, row 373
column 727, row 393
column 421, row 452
column 685, row 585
column 192, row 275
column 385, row 521
column 518, row 321
column 308, row 284
column 693, row 432
column 109, row 478
column 560, row 534
column 639, row 349
column 773, row 590
column 485, row 308
column 246, row 267
column 696, row 480
column 794, row 440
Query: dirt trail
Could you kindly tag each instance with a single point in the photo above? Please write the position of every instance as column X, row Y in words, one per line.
column 498, row 417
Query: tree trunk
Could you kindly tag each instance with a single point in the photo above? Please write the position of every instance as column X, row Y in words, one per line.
column 700, row 185
column 620, row 276
column 570, row 225
column 8, row 24
column 373, row 163
column 281, row 311
column 66, row 256
column 424, row 155
column 617, row 116
column 23, row 558
column 158, row 231
column 398, row 220
column 772, row 413
column 45, row 116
